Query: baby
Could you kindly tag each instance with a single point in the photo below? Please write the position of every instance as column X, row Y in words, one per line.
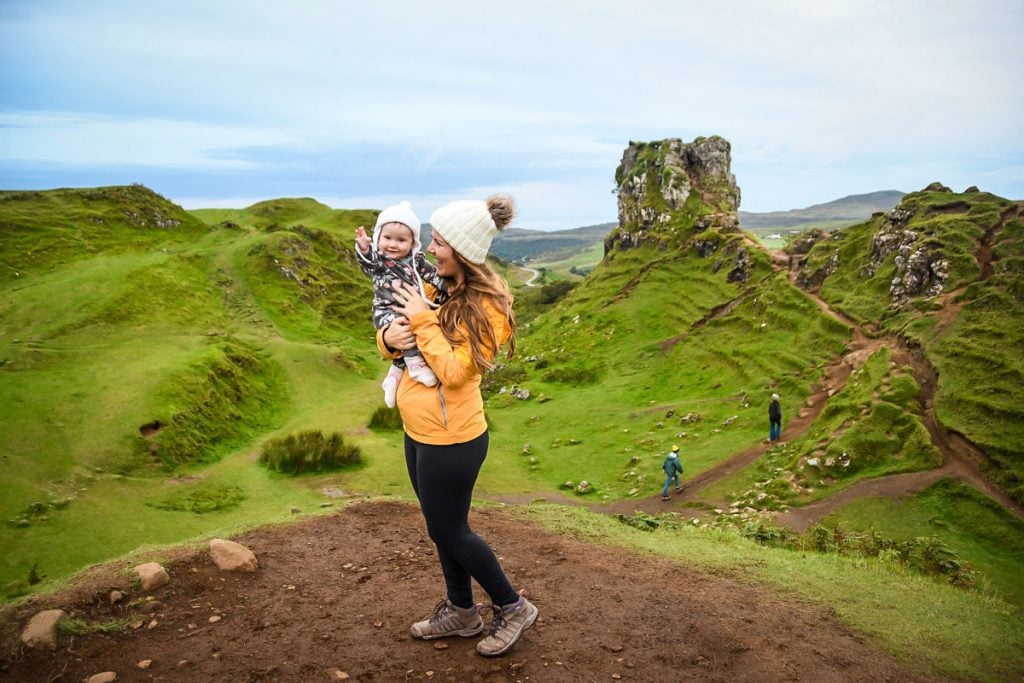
column 394, row 256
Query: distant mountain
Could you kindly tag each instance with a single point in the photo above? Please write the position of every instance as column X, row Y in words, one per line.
column 849, row 210
column 521, row 244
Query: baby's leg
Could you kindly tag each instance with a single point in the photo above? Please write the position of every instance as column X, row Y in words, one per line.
column 418, row 368
column 390, row 383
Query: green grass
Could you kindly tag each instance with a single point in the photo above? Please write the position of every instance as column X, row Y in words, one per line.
column 960, row 634
column 980, row 530
column 117, row 319
column 257, row 326
column 629, row 327
column 574, row 266
column 868, row 429
column 40, row 231
column 981, row 372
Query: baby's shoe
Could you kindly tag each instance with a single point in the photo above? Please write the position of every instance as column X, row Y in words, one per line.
column 420, row 371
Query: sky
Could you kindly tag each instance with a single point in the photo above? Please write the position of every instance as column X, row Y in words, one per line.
column 223, row 103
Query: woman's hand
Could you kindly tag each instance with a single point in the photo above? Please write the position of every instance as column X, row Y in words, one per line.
column 398, row 336
column 408, row 301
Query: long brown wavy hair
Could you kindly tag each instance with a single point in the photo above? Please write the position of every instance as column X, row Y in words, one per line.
column 464, row 311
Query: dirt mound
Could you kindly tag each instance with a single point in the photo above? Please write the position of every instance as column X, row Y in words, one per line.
column 338, row 593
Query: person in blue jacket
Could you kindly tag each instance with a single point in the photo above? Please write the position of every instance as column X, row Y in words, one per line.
column 673, row 468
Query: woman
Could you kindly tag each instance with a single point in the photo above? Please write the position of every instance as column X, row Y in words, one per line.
column 445, row 429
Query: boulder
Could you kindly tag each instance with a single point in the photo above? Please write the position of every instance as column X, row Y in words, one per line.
column 231, row 556
column 152, row 575
column 41, row 631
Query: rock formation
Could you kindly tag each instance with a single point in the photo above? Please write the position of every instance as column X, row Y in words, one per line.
column 919, row 266
column 919, row 270
column 677, row 195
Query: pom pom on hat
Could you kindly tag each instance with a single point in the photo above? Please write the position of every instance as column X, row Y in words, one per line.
column 469, row 225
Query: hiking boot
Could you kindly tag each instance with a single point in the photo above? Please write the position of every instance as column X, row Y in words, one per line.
column 420, row 371
column 507, row 624
column 449, row 620
column 666, row 497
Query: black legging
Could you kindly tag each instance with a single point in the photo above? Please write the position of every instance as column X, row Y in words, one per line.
column 443, row 478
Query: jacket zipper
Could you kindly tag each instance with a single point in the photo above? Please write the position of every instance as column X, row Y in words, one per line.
column 444, row 408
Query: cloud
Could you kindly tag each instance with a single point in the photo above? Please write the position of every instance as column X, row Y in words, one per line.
column 79, row 138
column 374, row 100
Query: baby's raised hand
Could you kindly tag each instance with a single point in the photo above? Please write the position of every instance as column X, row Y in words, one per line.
column 362, row 241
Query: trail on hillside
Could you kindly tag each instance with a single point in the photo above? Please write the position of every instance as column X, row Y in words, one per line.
column 336, row 594
column 962, row 460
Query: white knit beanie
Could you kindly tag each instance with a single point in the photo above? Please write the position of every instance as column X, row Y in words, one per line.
column 399, row 213
column 466, row 225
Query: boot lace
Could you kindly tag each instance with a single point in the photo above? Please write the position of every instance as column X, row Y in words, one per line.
column 497, row 619
column 441, row 611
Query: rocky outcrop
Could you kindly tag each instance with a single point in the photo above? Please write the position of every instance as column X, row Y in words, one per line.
column 668, row 186
column 900, row 237
column 920, row 271
column 741, row 267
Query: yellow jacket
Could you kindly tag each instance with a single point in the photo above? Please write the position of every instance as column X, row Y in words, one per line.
column 452, row 411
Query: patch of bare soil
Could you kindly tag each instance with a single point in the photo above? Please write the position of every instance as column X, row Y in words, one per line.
column 338, row 594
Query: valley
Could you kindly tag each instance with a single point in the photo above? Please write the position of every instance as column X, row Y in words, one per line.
column 892, row 342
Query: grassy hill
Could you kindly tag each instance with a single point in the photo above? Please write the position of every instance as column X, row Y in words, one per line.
column 518, row 244
column 147, row 353
column 969, row 246
column 119, row 310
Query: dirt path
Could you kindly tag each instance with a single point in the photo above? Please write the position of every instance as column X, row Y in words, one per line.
column 961, row 459
column 338, row 593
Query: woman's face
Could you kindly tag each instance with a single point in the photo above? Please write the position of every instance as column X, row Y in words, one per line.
column 444, row 257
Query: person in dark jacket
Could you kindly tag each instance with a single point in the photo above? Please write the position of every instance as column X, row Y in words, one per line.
column 673, row 468
column 774, row 419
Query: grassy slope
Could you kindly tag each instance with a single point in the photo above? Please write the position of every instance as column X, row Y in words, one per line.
column 868, row 429
column 631, row 326
column 960, row 634
column 962, row 518
column 198, row 328
column 978, row 358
